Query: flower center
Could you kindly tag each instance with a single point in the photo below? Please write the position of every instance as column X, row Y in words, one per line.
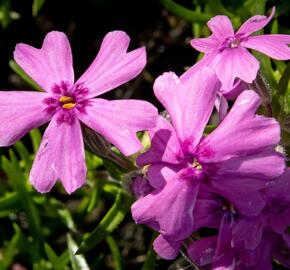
column 67, row 102
column 234, row 43
column 196, row 165
column 229, row 207
column 64, row 98
column 231, row 42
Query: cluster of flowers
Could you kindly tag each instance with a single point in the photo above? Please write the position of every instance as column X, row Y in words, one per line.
column 232, row 179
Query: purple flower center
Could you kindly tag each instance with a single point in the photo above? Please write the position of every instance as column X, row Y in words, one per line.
column 193, row 169
column 65, row 99
column 228, row 207
column 231, row 42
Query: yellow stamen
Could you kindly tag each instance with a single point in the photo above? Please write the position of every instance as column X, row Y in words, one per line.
column 66, row 99
column 68, row 102
column 196, row 165
column 69, row 106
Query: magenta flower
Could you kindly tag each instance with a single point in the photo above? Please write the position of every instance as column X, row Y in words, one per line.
column 278, row 208
column 235, row 160
column 245, row 242
column 237, row 245
column 226, row 51
column 67, row 103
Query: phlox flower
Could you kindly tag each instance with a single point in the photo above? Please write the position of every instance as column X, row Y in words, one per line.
column 237, row 245
column 234, row 161
column 245, row 242
column 226, row 51
column 67, row 104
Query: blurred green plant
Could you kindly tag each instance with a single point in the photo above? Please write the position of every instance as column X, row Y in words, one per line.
column 7, row 14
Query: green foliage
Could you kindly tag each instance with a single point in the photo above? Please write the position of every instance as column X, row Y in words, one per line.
column 5, row 9
column 36, row 6
column 108, row 224
column 186, row 13
column 78, row 262
column 151, row 256
column 115, row 252
column 10, row 248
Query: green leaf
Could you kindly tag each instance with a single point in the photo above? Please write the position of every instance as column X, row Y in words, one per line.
column 284, row 80
column 216, row 7
column 209, row 128
column 185, row 13
column 35, row 137
column 78, row 262
column 67, row 219
column 113, row 170
column 5, row 213
column 19, row 180
column 64, row 258
column 94, row 197
column 115, row 252
column 266, row 70
column 109, row 223
column 53, row 258
column 283, row 93
column 259, row 6
column 9, row 200
column 11, row 247
column 151, row 256
column 24, row 154
column 20, row 72
column 36, row 6
column 287, row 102
column 5, row 11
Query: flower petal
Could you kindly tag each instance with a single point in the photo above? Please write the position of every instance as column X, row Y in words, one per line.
column 159, row 173
column 250, row 258
column 113, row 66
column 165, row 145
column 263, row 165
column 60, row 155
column 207, row 213
column 225, row 235
column 238, row 87
column 167, row 250
column 242, row 193
column 189, row 102
column 248, row 231
column 259, row 133
column 202, row 251
column 206, row 60
column 205, row 45
column 280, row 187
column 280, row 221
column 168, row 210
column 274, row 46
column 119, row 120
column 20, row 112
column 222, row 106
column 221, row 27
column 254, row 24
column 235, row 63
column 49, row 65
column 140, row 187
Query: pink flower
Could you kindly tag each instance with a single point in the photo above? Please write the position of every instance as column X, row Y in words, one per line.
column 226, row 51
column 67, row 103
column 235, row 160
